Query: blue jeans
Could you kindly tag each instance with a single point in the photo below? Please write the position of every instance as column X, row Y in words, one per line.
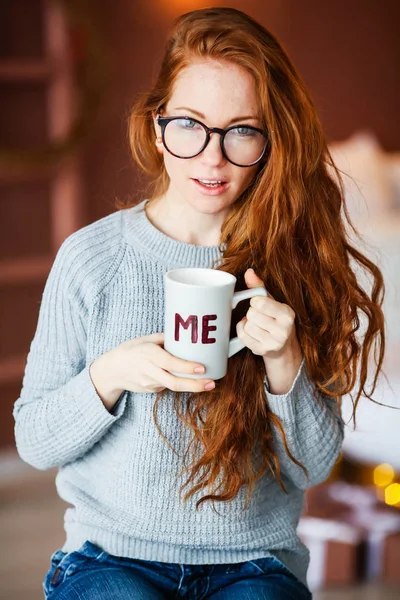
column 91, row 574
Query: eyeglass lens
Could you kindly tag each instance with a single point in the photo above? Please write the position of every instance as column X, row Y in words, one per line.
column 186, row 138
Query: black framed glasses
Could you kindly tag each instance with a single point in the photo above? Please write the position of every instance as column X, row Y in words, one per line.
column 185, row 137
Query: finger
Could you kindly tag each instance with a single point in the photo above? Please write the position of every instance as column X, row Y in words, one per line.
column 261, row 320
column 266, row 305
column 257, row 325
column 254, row 331
column 168, row 362
column 154, row 338
column 253, row 280
column 181, row 384
column 275, row 334
column 277, row 310
column 254, row 345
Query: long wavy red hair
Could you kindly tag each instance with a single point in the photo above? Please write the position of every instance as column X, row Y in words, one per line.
column 289, row 225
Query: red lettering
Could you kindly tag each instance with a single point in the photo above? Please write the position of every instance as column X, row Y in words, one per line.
column 206, row 328
column 190, row 321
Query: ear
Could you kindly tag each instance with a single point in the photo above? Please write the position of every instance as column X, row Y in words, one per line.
column 157, row 130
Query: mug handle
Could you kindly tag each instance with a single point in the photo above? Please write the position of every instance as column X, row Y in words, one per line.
column 235, row 344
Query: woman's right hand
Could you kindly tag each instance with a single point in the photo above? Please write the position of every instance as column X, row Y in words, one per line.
column 142, row 365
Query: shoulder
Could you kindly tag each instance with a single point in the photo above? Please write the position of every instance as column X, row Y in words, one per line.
column 96, row 240
column 89, row 257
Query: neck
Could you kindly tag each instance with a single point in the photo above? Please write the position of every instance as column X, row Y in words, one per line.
column 183, row 223
column 139, row 231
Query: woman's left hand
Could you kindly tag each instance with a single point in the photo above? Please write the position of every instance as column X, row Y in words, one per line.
column 268, row 329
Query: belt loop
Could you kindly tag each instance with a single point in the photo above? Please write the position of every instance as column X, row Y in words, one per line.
column 90, row 550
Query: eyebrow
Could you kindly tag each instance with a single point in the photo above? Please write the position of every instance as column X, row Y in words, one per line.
column 199, row 114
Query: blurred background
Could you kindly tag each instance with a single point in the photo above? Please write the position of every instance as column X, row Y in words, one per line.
column 69, row 71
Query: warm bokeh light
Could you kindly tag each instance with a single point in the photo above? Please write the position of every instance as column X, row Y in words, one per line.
column 392, row 494
column 182, row 6
column 383, row 475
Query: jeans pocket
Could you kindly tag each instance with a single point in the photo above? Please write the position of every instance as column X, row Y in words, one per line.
column 65, row 564
column 272, row 564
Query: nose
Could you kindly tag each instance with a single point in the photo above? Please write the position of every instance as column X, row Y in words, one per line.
column 212, row 153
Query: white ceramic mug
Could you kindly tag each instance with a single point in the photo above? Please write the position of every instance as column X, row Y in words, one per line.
column 198, row 310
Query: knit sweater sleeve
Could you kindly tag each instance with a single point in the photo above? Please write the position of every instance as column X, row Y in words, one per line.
column 59, row 416
column 314, row 431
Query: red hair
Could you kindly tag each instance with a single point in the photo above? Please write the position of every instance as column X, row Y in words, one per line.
column 289, row 226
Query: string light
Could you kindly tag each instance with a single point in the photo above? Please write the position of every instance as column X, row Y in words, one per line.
column 383, row 475
column 392, row 494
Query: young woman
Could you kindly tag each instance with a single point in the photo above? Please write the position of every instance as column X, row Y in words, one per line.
column 242, row 180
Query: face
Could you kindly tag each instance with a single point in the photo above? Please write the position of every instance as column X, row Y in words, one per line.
column 219, row 94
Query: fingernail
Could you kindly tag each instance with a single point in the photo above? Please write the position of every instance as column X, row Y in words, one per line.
column 199, row 370
column 209, row 386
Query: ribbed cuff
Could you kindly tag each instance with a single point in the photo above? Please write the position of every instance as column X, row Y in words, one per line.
column 89, row 406
column 284, row 405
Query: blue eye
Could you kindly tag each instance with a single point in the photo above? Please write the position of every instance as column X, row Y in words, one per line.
column 187, row 123
column 244, row 131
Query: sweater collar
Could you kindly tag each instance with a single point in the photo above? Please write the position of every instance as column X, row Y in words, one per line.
column 139, row 231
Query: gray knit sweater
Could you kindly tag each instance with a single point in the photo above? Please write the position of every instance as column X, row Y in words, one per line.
column 105, row 287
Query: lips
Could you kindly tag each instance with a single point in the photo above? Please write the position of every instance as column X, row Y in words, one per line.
column 211, row 182
column 211, row 187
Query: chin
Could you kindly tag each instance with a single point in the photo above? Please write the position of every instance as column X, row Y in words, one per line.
column 209, row 205
column 206, row 208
